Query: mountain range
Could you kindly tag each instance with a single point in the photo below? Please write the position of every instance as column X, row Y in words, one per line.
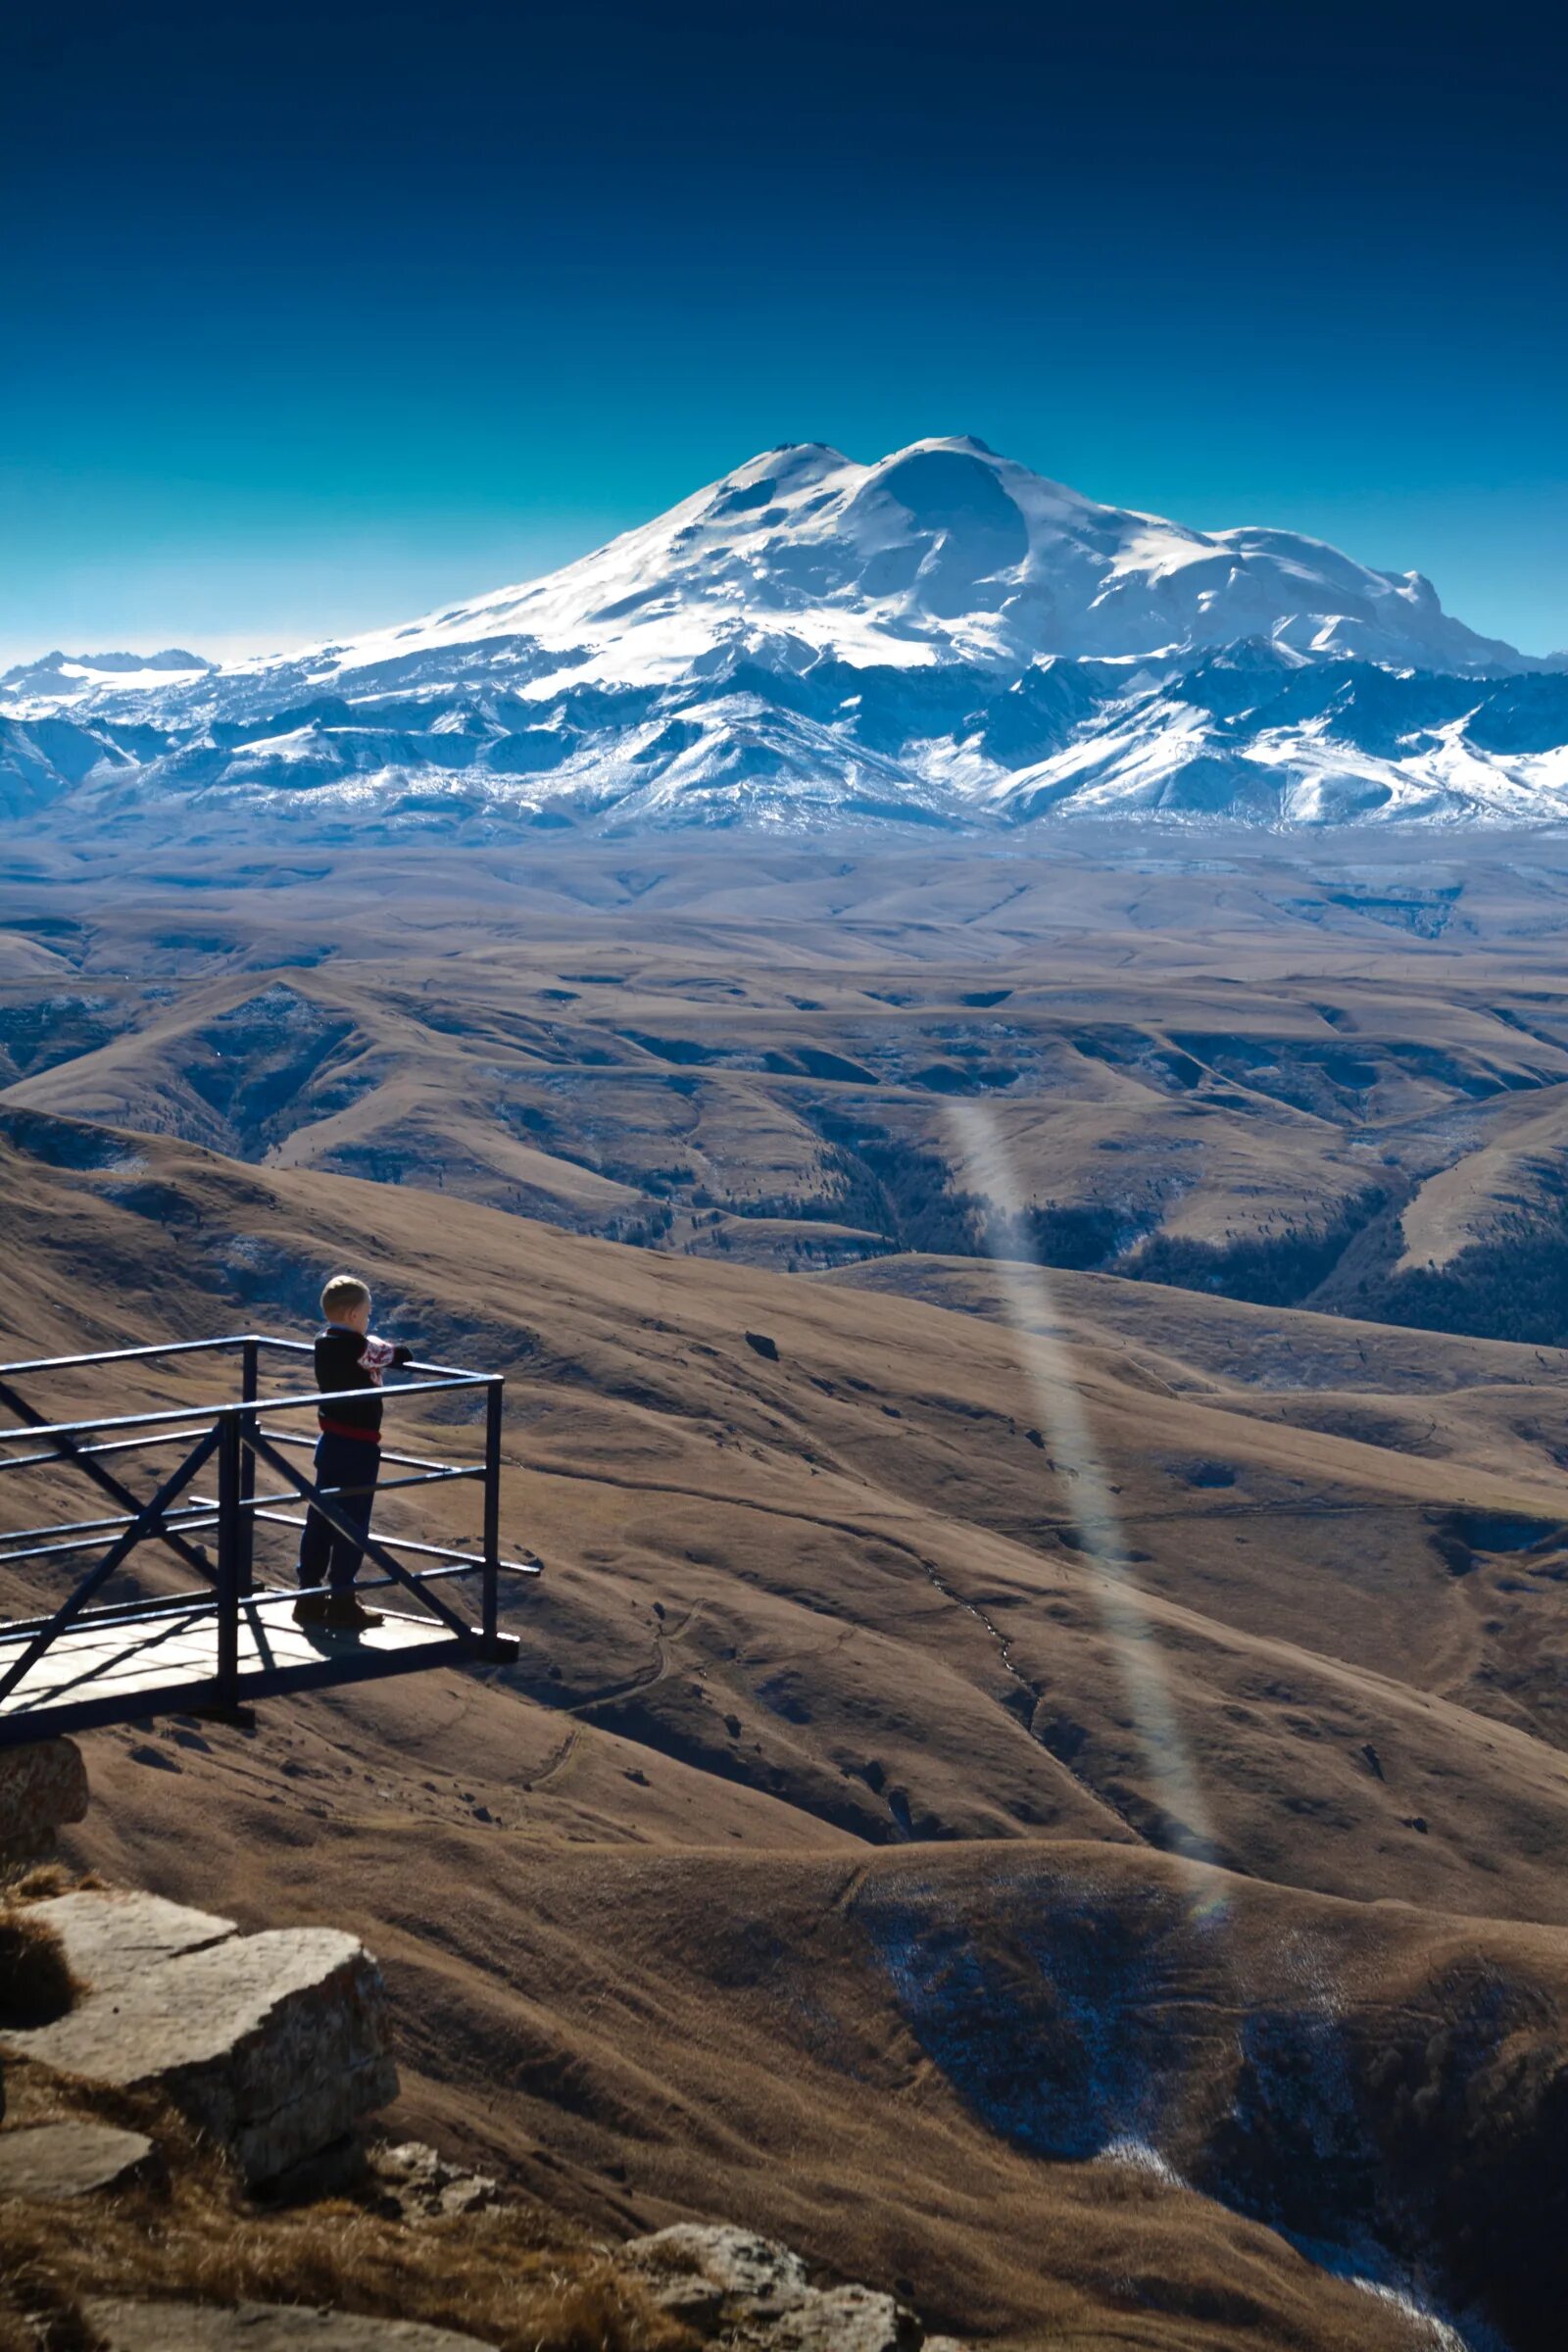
column 942, row 637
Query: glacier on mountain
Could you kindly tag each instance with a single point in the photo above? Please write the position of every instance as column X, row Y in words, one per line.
column 941, row 638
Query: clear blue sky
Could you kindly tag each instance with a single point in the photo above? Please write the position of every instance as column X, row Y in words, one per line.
column 315, row 317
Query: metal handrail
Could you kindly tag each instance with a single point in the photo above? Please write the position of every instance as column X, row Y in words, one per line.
column 233, row 1430
column 201, row 1512
column 251, row 1407
column 121, row 1355
column 232, row 1339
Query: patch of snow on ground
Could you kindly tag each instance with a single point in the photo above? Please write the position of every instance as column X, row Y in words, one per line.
column 1429, row 2329
column 1137, row 2156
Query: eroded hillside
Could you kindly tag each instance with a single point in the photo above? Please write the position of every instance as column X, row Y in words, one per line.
column 1342, row 1086
column 972, row 1736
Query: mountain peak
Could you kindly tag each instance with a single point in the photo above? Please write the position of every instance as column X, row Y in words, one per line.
column 940, row 631
column 68, row 677
column 967, row 444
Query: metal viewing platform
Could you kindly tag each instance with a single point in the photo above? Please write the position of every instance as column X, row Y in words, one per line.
column 228, row 1637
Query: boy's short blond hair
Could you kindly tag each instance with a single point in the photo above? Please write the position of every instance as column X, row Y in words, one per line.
column 344, row 1291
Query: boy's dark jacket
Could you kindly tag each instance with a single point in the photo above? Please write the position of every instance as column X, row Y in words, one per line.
column 347, row 1359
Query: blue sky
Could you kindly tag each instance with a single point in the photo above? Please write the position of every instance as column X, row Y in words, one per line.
column 314, row 319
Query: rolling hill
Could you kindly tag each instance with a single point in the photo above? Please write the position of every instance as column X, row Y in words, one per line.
column 1337, row 1084
column 1043, row 1785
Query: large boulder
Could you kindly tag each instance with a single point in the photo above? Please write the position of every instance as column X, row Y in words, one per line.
column 274, row 2045
column 422, row 2184
column 695, row 2269
column 42, row 1788
column 110, row 1938
column 845, row 2319
column 749, row 2292
column 71, row 2159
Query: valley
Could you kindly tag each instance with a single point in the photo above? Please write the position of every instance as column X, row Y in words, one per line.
column 1337, row 1082
column 1038, row 1769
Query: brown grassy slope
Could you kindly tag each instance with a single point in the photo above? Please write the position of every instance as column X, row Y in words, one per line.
column 1314, row 904
column 475, row 1078
column 1203, row 1053
column 840, row 2054
column 878, row 1620
column 850, row 1579
column 1495, row 1620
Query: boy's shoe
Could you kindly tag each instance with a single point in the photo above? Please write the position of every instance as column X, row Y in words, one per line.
column 310, row 1609
column 345, row 1613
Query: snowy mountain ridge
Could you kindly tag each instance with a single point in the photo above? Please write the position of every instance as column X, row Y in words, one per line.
column 57, row 679
column 941, row 551
column 941, row 637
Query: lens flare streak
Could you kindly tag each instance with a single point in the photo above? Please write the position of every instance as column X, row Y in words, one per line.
column 1058, row 1401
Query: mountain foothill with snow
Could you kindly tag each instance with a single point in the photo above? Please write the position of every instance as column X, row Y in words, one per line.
column 942, row 637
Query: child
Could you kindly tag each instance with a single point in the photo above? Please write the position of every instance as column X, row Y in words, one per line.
column 348, row 1454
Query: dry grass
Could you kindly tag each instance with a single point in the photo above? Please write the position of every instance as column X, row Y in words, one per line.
column 37, row 1881
column 43, row 1880
column 517, row 2277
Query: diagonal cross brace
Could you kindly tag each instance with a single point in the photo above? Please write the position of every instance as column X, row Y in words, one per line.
column 125, row 1497
column 366, row 1542
column 143, row 1524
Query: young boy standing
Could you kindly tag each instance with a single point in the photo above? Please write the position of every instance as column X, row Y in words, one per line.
column 348, row 1454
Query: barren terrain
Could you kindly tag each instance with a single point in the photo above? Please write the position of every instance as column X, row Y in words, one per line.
column 1038, row 1771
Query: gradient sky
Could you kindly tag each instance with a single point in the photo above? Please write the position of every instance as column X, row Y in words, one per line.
column 315, row 317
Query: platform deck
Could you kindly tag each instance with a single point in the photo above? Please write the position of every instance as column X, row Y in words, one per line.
column 97, row 1672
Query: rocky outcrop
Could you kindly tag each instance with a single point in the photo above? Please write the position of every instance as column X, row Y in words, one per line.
column 746, row 2293
column 111, row 1939
column 42, row 1789
column 696, row 2269
column 422, row 2185
column 72, row 2159
column 131, row 2326
column 274, row 2045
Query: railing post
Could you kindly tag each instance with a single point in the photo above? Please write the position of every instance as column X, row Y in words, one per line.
column 492, row 1510
column 230, row 1517
column 245, row 1527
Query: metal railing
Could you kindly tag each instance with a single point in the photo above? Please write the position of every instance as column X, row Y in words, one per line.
column 235, row 1436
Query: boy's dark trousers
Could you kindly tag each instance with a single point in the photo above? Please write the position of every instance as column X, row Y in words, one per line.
column 326, row 1556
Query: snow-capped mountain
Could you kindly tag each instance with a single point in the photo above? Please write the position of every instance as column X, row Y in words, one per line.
column 943, row 637
column 57, row 679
